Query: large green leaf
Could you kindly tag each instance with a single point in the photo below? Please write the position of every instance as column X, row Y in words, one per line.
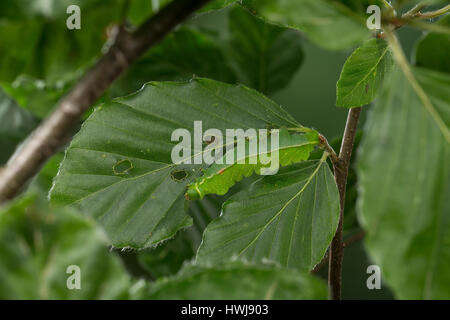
column 265, row 56
column 289, row 218
column 118, row 169
column 38, row 244
column 218, row 178
column 404, row 179
column 237, row 280
column 363, row 74
column 329, row 24
column 15, row 125
column 432, row 51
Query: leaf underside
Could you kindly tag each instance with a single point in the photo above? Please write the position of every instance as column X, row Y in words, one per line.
column 118, row 168
column 289, row 218
column 404, row 185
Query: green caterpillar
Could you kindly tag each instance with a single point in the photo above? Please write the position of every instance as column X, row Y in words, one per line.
column 219, row 178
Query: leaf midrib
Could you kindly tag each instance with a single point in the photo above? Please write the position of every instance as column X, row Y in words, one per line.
column 286, row 205
column 367, row 74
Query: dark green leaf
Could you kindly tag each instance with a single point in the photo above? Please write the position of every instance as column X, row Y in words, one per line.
column 265, row 56
column 15, row 125
column 180, row 56
column 118, row 169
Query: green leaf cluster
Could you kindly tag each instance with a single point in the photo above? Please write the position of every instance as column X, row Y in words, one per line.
column 199, row 231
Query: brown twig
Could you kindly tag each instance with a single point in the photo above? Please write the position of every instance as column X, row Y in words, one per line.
column 415, row 12
column 54, row 131
column 340, row 176
column 323, row 143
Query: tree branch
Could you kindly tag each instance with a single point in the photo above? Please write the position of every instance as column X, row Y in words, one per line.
column 340, row 176
column 54, row 131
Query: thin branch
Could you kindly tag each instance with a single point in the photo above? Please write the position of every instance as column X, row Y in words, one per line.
column 340, row 175
column 414, row 10
column 54, row 131
column 413, row 18
column 415, row 13
column 323, row 143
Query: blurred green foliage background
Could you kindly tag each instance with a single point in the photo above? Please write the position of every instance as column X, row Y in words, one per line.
column 310, row 97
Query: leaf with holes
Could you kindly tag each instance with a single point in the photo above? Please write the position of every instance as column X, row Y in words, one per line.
column 363, row 74
column 118, row 168
column 289, row 218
